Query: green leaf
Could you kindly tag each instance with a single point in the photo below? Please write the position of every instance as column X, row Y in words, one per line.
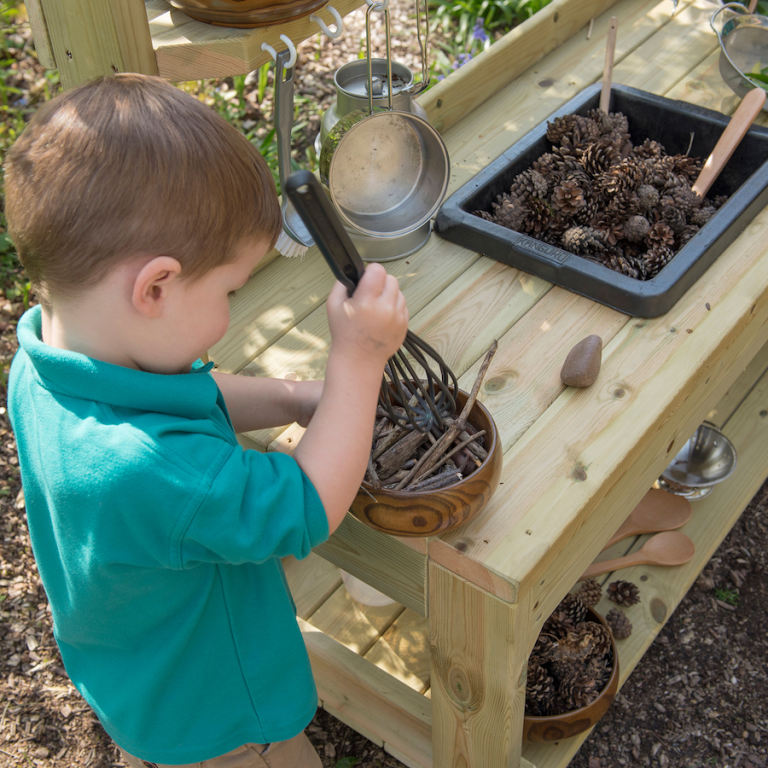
column 347, row 762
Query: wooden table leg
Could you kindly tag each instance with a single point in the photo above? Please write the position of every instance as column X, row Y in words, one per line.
column 479, row 648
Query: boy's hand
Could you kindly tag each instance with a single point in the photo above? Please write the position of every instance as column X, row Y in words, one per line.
column 370, row 326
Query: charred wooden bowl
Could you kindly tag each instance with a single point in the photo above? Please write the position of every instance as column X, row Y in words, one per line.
column 246, row 13
column 549, row 728
column 428, row 513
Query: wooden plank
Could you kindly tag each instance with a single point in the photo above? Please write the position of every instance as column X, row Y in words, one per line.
column 193, row 50
column 656, row 386
column 403, row 650
column 368, row 699
column 133, row 37
column 462, row 92
column 40, row 34
column 386, row 563
column 353, row 624
column 83, row 39
column 478, row 651
column 312, row 581
column 662, row 589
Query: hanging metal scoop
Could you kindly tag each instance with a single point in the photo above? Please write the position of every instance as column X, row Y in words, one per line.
column 411, row 399
column 292, row 223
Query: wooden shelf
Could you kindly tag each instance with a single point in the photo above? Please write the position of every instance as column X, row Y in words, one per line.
column 192, row 50
column 372, row 665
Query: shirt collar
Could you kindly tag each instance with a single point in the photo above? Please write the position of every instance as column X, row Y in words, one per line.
column 76, row 375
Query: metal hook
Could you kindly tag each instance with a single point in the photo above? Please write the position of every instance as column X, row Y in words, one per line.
column 273, row 53
column 378, row 6
column 336, row 17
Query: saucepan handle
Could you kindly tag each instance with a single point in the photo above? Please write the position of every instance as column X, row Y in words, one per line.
column 322, row 221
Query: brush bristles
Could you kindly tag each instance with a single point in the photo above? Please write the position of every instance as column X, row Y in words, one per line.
column 289, row 247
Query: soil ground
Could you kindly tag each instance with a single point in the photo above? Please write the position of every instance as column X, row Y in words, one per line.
column 698, row 698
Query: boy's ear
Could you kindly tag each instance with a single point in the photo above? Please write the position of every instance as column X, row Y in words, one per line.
column 150, row 288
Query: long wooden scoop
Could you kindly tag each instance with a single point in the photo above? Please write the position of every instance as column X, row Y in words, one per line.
column 657, row 511
column 734, row 132
column 668, row 548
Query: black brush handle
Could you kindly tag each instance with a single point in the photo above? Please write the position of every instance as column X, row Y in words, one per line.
column 322, row 221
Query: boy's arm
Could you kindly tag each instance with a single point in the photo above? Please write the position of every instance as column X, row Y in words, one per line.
column 261, row 403
column 366, row 330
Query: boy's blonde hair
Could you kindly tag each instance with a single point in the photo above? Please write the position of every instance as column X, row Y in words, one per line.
column 129, row 165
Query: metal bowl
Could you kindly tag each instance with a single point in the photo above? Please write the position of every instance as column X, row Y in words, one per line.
column 246, row 13
column 743, row 46
column 705, row 460
column 387, row 172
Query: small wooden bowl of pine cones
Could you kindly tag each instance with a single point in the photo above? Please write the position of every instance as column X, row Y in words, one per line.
column 573, row 673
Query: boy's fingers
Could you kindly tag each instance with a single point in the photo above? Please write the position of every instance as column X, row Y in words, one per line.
column 373, row 280
column 338, row 294
column 391, row 289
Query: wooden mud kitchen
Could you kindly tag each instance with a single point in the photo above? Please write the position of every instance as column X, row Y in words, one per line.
column 438, row 677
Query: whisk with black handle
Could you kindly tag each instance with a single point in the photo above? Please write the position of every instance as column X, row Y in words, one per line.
column 413, row 400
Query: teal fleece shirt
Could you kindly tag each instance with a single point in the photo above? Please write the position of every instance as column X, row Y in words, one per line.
column 158, row 540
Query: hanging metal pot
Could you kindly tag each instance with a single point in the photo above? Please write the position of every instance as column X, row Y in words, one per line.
column 386, row 171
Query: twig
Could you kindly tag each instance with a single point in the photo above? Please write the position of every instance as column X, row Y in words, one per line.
column 440, row 481
column 388, row 441
column 436, row 451
column 610, row 50
column 450, row 455
column 365, row 490
column 375, row 482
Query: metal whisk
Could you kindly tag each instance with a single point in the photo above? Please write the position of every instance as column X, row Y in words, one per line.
column 411, row 399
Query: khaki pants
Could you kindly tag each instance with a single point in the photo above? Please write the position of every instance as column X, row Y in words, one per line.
column 297, row 752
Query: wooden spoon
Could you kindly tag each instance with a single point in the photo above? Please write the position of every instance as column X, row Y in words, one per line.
column 668, row 548
column 734, row 132
column 657, row 511
column 610, row 52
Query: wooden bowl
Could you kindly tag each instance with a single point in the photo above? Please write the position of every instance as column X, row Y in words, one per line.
column 246, row 13
column 549, row 728
column 428, row 513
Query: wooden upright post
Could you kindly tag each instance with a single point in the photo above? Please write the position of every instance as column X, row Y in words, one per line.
column 90, row 38
column 479, row 647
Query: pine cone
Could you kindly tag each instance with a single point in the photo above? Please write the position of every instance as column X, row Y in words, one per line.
column 558, row 624
column 686, row 200
column 620, row 625
column 544, row 648
column 560, row 127
column 509, row 212
column 576, row 691
column 585, row 131
column 611, row 230
column 688, row 233
column 655, row 260
column 603, row 119
column 539, row 690
column 599, row 668
column 688, row 167
column 599, row 637
column 599, row 157
column 545, row 165
column 636, row 228
column 528, row 184
column 581, row 240
column 568, row 198
column 703, row 215
column 619, row 262
column 672, row 215
column 623, row 593
column 648, row 197
column 626, row 176
column 574, row 607
column 650, row 149
column 538, row 216
column 590, row 592
column 660, row 234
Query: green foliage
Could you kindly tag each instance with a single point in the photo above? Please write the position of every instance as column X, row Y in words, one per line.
column 727, row 595
column 347, row 762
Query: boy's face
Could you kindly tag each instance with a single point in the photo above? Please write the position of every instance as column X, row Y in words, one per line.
column 199, row 315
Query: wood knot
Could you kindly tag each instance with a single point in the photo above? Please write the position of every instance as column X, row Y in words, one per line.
column 495, row 384
column 579, row 473
column 463, row 545
column 546, row 83
column 458, row 684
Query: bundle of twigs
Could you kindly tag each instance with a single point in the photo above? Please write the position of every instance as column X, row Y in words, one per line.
column 405, row 459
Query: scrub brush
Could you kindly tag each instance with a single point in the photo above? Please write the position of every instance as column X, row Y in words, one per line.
column 295, row 238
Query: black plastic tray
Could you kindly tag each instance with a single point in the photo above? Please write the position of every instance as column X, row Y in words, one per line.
column 744, row 179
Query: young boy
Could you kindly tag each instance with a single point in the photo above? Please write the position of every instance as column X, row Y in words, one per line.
column 136, row 211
